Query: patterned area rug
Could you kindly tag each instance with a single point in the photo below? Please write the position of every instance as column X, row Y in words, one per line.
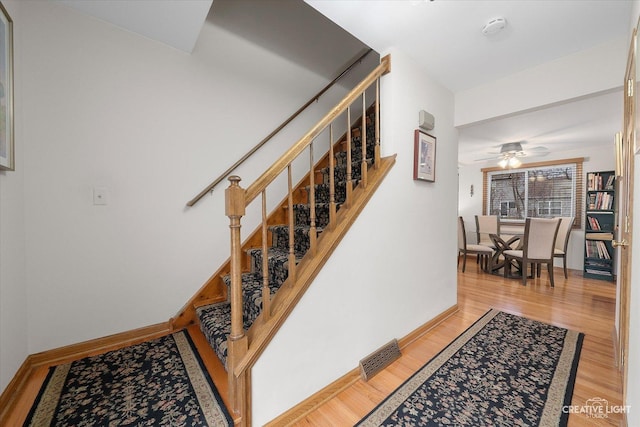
column 504, row 370
column 159, row 382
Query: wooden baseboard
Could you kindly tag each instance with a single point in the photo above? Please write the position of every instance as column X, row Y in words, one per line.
column 10, row 395
column 100, row 345
column 317, row 399
column 16, row 388
column 616, row 349
column 420, row 331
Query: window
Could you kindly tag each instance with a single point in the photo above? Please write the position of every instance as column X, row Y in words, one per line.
column 505, row 208
column 542, row 190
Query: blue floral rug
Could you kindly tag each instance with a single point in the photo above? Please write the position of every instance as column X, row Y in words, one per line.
column 160, row 382
column 504, row 370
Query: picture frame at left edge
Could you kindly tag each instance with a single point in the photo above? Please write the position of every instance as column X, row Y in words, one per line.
column 424, row 157
column 7, row 145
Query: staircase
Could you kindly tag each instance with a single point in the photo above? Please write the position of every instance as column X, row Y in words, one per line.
column 241, row 307
column 215, row 319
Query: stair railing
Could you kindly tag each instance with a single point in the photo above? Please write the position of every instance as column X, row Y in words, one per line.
column 237, row 199
column 266, row 139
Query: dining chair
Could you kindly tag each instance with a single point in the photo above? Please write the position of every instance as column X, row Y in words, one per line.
column 486, row 225
column 484, row 252
column 562, row 241
column 537, row 247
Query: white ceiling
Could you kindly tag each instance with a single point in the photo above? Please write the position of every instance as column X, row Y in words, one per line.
column 445, row 37
column 173, row 22
column 588, row 122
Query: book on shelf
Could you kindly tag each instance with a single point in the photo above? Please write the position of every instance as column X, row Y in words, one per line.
column 591, row 181
column 590, row 249
column 599, row 272
column 600, row 201
column 609, row 184
column 602, row 248
column 594, row 223
column 597, row 263
column 599, row 236
column 596, row 182
column 596, row 249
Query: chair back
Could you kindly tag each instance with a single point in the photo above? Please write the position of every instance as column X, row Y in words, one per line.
column 540, row 237
column 564, row 231
column 485, row 225
column 462, row 237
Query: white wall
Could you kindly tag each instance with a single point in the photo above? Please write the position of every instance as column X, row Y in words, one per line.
column 633, row 385
column 381, row 282
column 13, row 286
column 596, row 159
column 549, row 83
column 98, row 106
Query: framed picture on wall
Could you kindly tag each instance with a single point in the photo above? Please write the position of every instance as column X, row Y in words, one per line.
column 6, row 91
column 424, row 162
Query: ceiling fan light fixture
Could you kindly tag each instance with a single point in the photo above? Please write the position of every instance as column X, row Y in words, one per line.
column 511, row 147
column 509, row 153
column 514, row 162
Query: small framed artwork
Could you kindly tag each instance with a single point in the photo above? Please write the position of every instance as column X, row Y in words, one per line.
column 6, row 91
column 424, row 162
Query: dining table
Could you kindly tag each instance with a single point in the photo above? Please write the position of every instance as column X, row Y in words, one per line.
column 502, row 243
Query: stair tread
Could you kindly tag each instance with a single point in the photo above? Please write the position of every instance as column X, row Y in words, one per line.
column 273, row 252
column 336, row 184
column 300, row 227
column 250, row 282
column 215, row 324
column 341, row 166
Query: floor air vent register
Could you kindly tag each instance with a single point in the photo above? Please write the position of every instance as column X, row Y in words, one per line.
column 379, row 359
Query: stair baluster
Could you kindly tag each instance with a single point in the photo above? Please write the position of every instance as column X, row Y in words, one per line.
column 349, row 183
column 292, row 253
column 266, row 293
column 363, row 141
column 312, row 202
column 238, row 343
column 376, row 153
column 332, row 188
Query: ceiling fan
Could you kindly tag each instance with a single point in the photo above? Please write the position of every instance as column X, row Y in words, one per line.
column 511, row 152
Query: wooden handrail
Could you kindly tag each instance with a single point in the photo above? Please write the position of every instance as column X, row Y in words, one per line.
column 270, row 174
column 275, row 131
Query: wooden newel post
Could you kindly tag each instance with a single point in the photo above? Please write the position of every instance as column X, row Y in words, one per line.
column 237, row 345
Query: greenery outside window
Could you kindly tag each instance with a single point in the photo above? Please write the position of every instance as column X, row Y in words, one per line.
column 537, row 190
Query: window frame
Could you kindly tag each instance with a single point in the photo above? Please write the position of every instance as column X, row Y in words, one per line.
column 578, row 194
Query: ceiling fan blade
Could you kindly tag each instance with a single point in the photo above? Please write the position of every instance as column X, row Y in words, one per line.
column 487, row 158
column 510, row 149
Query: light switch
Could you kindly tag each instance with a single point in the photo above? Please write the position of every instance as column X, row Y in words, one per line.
column 99, row 196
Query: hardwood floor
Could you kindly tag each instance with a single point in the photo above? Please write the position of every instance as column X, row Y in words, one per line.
column 576, row 303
